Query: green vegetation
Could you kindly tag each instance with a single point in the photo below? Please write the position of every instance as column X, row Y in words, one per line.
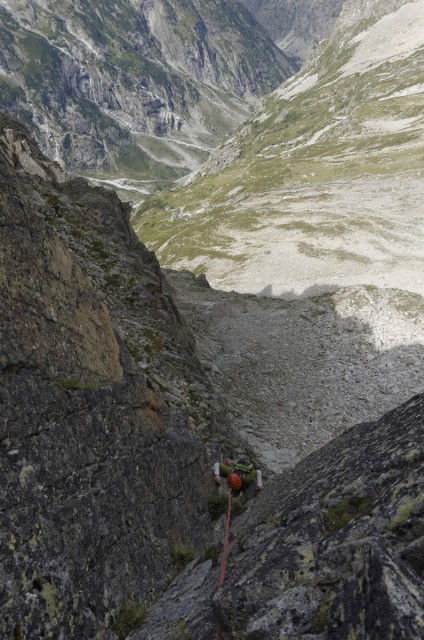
column 185, row 26
column 211, row 554
column 319, row 624
column 130, row 616
column 10, row 93
column 342, row 513
column 155, row 341
column 74, row 384
column 135, row 350
column 99, row 250
column 132, row 160
column 180, row 632
column 181, row 555
column 43, row 61
column 93, row 114
column 218, row 505
column 8, row 27
column 114, row 279
column 17, row 632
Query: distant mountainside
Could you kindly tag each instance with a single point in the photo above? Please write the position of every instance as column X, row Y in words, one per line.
column 296, row 25
column 144, row 90
column 323, row 187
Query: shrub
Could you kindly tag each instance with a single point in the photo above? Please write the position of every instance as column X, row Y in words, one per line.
column 218, row 505
column 130, row 616
column 339, row 516
column 181, row 555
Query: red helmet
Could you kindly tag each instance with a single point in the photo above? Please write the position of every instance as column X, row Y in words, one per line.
column 234, row 481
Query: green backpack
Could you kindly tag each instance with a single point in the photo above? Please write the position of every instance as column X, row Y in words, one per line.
column 244, row 466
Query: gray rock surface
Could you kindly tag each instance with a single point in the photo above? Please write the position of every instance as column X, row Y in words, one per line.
column 332, row 550
column 296, row 26
column 103, row 402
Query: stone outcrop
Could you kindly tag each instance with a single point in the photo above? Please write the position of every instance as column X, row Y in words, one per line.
column 103, row 405
column 332, row 550
column 296, row 26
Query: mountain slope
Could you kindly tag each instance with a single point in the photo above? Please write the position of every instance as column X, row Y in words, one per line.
column 145, row 91
column 296, row 26
column 324, row 186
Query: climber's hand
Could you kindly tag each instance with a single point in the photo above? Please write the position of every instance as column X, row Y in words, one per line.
column 218, row 481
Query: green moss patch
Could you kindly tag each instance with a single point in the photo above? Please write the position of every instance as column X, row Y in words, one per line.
column 339, row 516
column 218, row 505
column 73, row 383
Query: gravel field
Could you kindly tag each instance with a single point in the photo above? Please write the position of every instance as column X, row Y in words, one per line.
column 367, row 231
column 298, row 372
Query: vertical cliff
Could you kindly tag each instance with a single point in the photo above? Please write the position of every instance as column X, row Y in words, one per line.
column 296, row 26
column 103, row 405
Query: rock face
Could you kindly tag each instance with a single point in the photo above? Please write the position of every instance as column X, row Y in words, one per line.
column 108, row 424
column 296, row 26
column 142, row 89
column 102, row 402
column 332, row 550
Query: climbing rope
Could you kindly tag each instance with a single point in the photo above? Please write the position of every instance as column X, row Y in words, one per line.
column 226, row 539
column 222, row 568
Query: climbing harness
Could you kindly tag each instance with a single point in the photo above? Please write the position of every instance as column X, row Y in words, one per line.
column 223, row 565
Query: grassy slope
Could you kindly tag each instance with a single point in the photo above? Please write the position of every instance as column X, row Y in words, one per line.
column 317, row 136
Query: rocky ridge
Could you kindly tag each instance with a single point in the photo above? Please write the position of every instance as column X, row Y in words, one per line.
column 332, row 550
column 105, row 408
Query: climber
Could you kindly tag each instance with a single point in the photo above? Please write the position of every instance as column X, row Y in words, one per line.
column 239, row 474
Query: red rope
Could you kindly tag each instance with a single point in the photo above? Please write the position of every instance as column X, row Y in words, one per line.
column 222, row 568
column 218, row 632
column 225, row 550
